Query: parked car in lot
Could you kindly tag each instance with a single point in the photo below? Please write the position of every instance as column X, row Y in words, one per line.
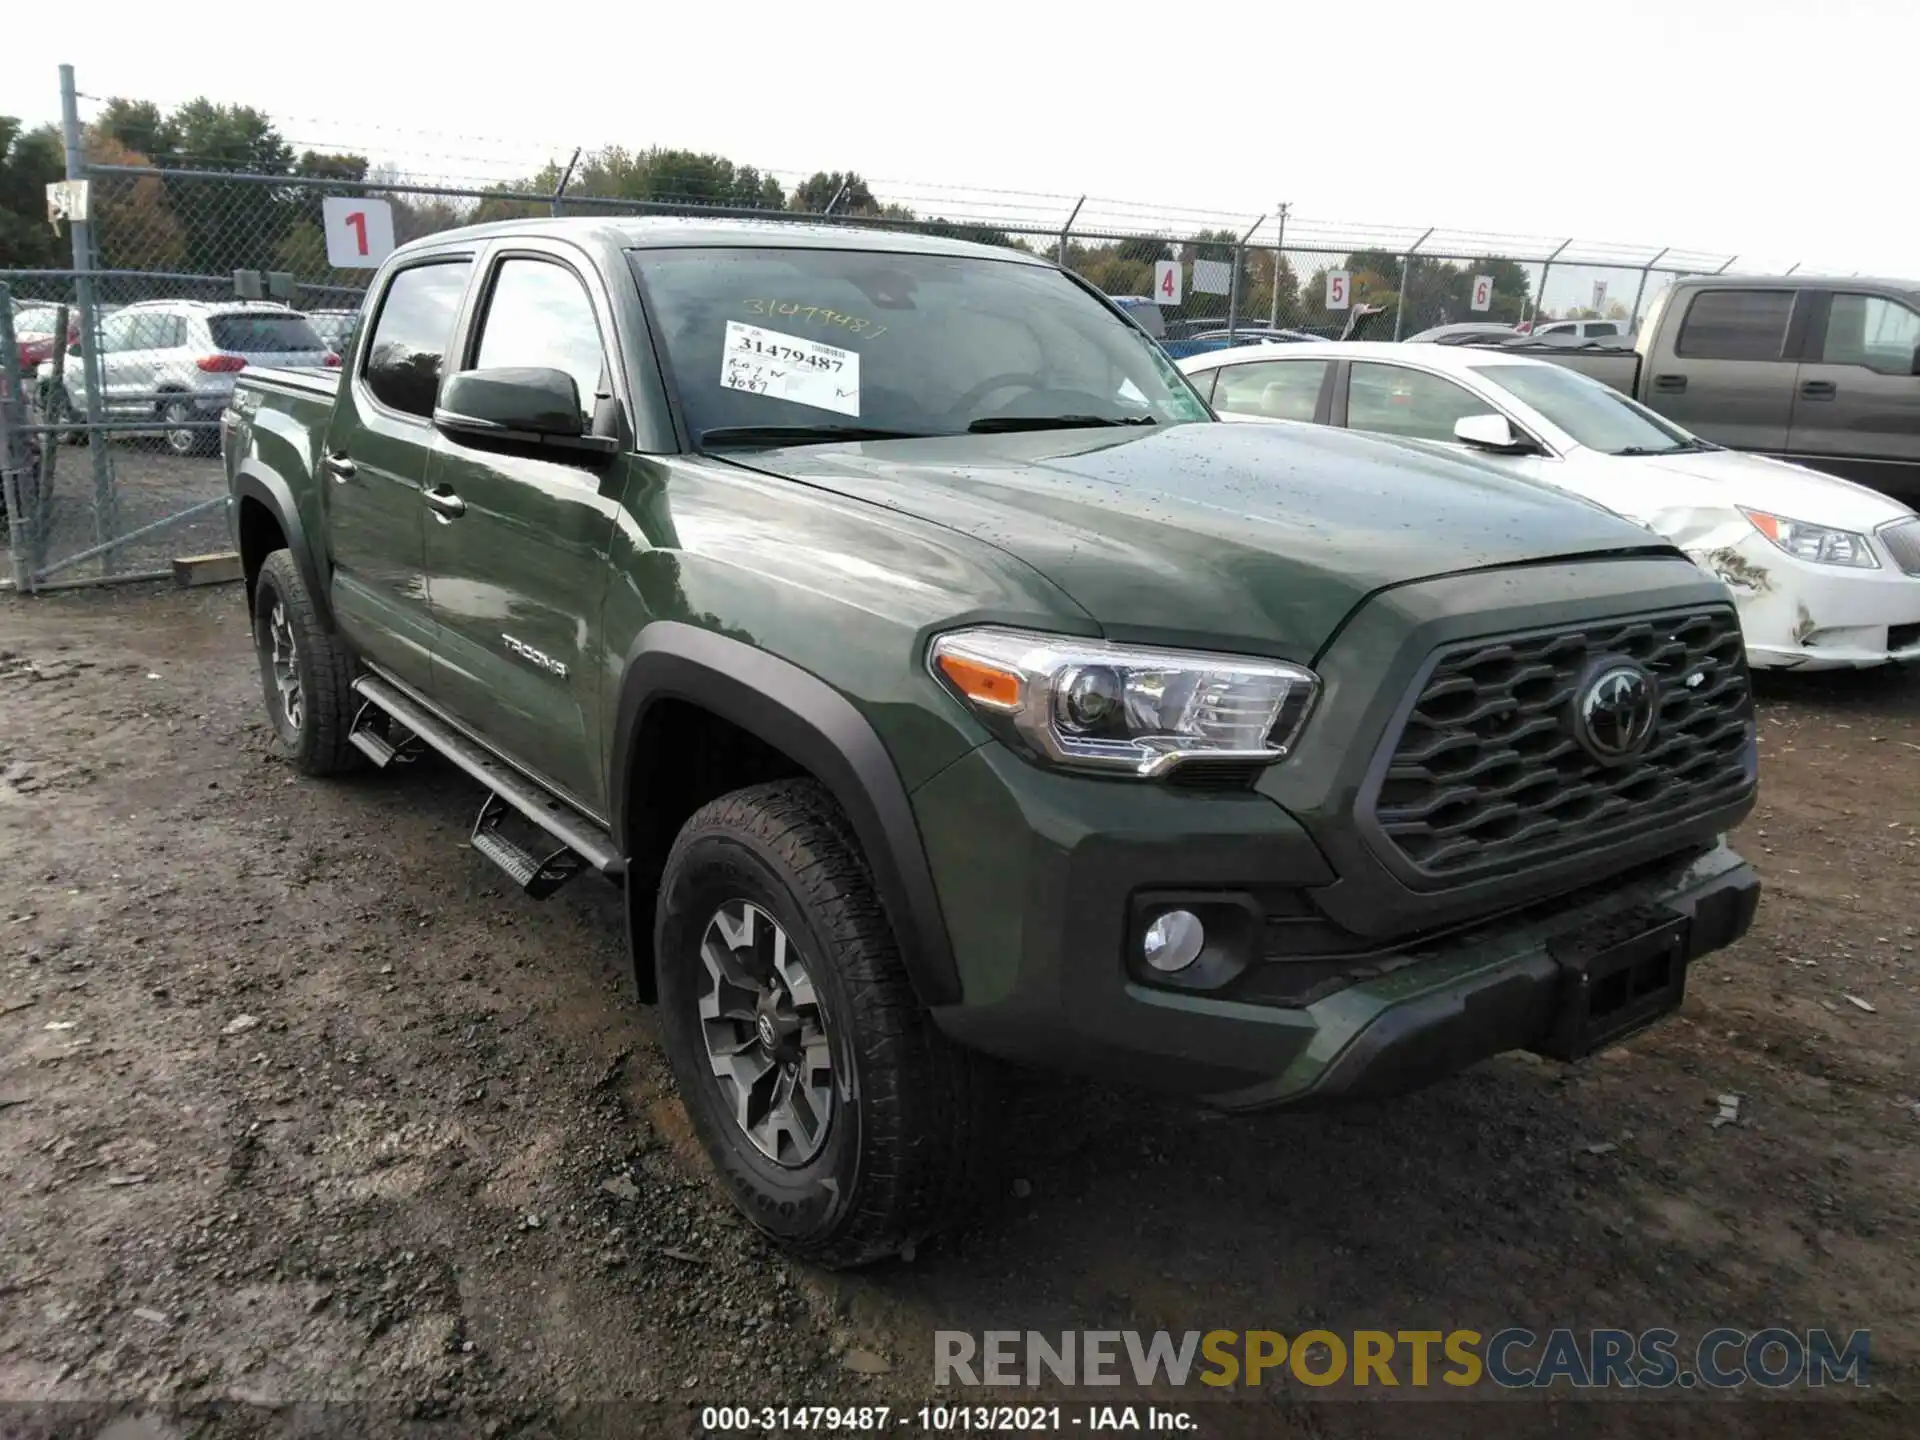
column 333, row 326
column 1826, row 573
column 1464, row 330
column 1578, row 329
column 941, row 681
column 34, row 328
column 1822, row 371
column 175, row 361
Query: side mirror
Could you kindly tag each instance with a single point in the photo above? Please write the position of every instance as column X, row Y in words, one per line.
column 74, row 348
column 1491, row 432
column 517, row 408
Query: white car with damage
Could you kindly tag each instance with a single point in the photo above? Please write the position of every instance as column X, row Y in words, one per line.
column 1826, row 573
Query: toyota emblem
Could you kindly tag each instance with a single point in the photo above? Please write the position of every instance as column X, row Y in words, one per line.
column 1614, row 712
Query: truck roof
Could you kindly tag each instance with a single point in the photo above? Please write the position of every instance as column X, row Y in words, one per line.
column 1798, row 281
column 652, row 232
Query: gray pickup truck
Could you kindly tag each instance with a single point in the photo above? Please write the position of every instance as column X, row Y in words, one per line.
column 1822, row 371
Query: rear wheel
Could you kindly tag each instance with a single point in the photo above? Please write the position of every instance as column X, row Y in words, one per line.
column 839, row 1118
column 182, row 438
column 305, row 672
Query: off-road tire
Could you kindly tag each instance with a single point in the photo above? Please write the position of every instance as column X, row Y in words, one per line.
column 905, row 1153
column 317, row 744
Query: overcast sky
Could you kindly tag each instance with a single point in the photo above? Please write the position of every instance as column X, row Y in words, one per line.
column 1780, row 132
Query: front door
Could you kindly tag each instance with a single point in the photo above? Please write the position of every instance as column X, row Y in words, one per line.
column 373, row 469
column 1856, row 410
column 517, row 544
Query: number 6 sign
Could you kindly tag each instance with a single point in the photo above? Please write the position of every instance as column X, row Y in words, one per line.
column 1339, row 289
column 1482, row 292
column 359, row 232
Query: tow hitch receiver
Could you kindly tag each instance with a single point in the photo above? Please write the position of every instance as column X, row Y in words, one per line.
column 1616, row 979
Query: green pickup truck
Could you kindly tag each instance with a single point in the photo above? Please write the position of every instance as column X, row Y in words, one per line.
column 945, row 687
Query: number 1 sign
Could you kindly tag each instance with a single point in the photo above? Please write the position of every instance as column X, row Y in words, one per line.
column 359, row 232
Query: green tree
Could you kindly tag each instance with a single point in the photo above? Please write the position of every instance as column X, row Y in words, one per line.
column 813, row 194
column 30, row 160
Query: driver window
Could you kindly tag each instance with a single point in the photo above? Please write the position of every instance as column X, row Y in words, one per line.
column 1867, row 330
column 1275, row 389
column 539, row 315
column 1397, row 401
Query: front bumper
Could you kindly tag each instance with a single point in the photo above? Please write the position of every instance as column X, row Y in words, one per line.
column 1044, row 924
column 1801, row 616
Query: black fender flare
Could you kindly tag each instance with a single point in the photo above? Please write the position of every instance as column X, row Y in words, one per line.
column 818, row 727
column 266, row 486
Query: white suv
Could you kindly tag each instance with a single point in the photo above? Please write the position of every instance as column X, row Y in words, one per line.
column 174, row 361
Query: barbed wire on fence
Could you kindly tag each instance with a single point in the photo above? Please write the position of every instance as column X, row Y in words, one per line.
column 246, row 196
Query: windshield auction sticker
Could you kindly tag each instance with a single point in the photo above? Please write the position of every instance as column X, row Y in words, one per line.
column 790, row 367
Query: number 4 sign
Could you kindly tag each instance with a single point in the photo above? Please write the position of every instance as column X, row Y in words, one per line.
column 1339, row 290
column 1482, row 292
column 359, row 232
column 1166, row 282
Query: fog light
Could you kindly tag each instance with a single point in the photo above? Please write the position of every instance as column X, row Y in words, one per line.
column 1174, row 941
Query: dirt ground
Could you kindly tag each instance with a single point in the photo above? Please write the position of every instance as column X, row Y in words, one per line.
column 298, row 1105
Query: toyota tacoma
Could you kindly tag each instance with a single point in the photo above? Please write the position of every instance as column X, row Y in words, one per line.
column 944, row 686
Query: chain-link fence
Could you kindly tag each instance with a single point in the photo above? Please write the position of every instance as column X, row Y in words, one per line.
column 182, row 275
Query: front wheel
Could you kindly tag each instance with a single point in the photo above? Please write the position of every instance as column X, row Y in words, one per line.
column 841, row 1122
column 305, row 672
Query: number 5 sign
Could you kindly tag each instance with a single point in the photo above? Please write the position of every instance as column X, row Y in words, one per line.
column 1339, row 290
column 1482, row 292
column 359, row 232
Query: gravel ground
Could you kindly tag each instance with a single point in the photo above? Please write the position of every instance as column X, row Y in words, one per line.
column 148, row 485
column 297, row 1105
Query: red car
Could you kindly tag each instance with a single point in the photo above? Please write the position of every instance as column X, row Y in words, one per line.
column 33, row 329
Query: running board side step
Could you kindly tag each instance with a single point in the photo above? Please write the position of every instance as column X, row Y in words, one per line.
column 579, row 842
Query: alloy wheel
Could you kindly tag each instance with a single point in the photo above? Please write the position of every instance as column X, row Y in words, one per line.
column 181, row 439
column 284, row 660
column 766, row 1034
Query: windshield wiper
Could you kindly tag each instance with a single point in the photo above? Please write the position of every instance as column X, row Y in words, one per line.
column 1001, row 424
column 1682, row 447
column 799, row 434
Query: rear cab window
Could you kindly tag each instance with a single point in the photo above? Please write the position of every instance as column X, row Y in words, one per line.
column 1735, row 325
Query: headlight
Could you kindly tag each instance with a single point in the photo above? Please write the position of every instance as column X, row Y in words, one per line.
column 1125, row 708
column 1821, row 544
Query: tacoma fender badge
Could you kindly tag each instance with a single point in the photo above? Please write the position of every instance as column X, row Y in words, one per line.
column 534, row 657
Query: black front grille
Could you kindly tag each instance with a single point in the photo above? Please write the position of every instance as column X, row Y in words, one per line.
column 1902, row 539
column 1487, row 772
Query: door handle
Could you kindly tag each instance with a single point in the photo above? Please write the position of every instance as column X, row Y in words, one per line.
column 447, row 506
column 1670, row 384
column 339, row 466
column 1818, row 389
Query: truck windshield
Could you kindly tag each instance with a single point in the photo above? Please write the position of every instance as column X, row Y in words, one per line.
column 1595, row 415
column 786, row 344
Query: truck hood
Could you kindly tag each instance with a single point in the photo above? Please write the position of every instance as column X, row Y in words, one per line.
column 1254, row 537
